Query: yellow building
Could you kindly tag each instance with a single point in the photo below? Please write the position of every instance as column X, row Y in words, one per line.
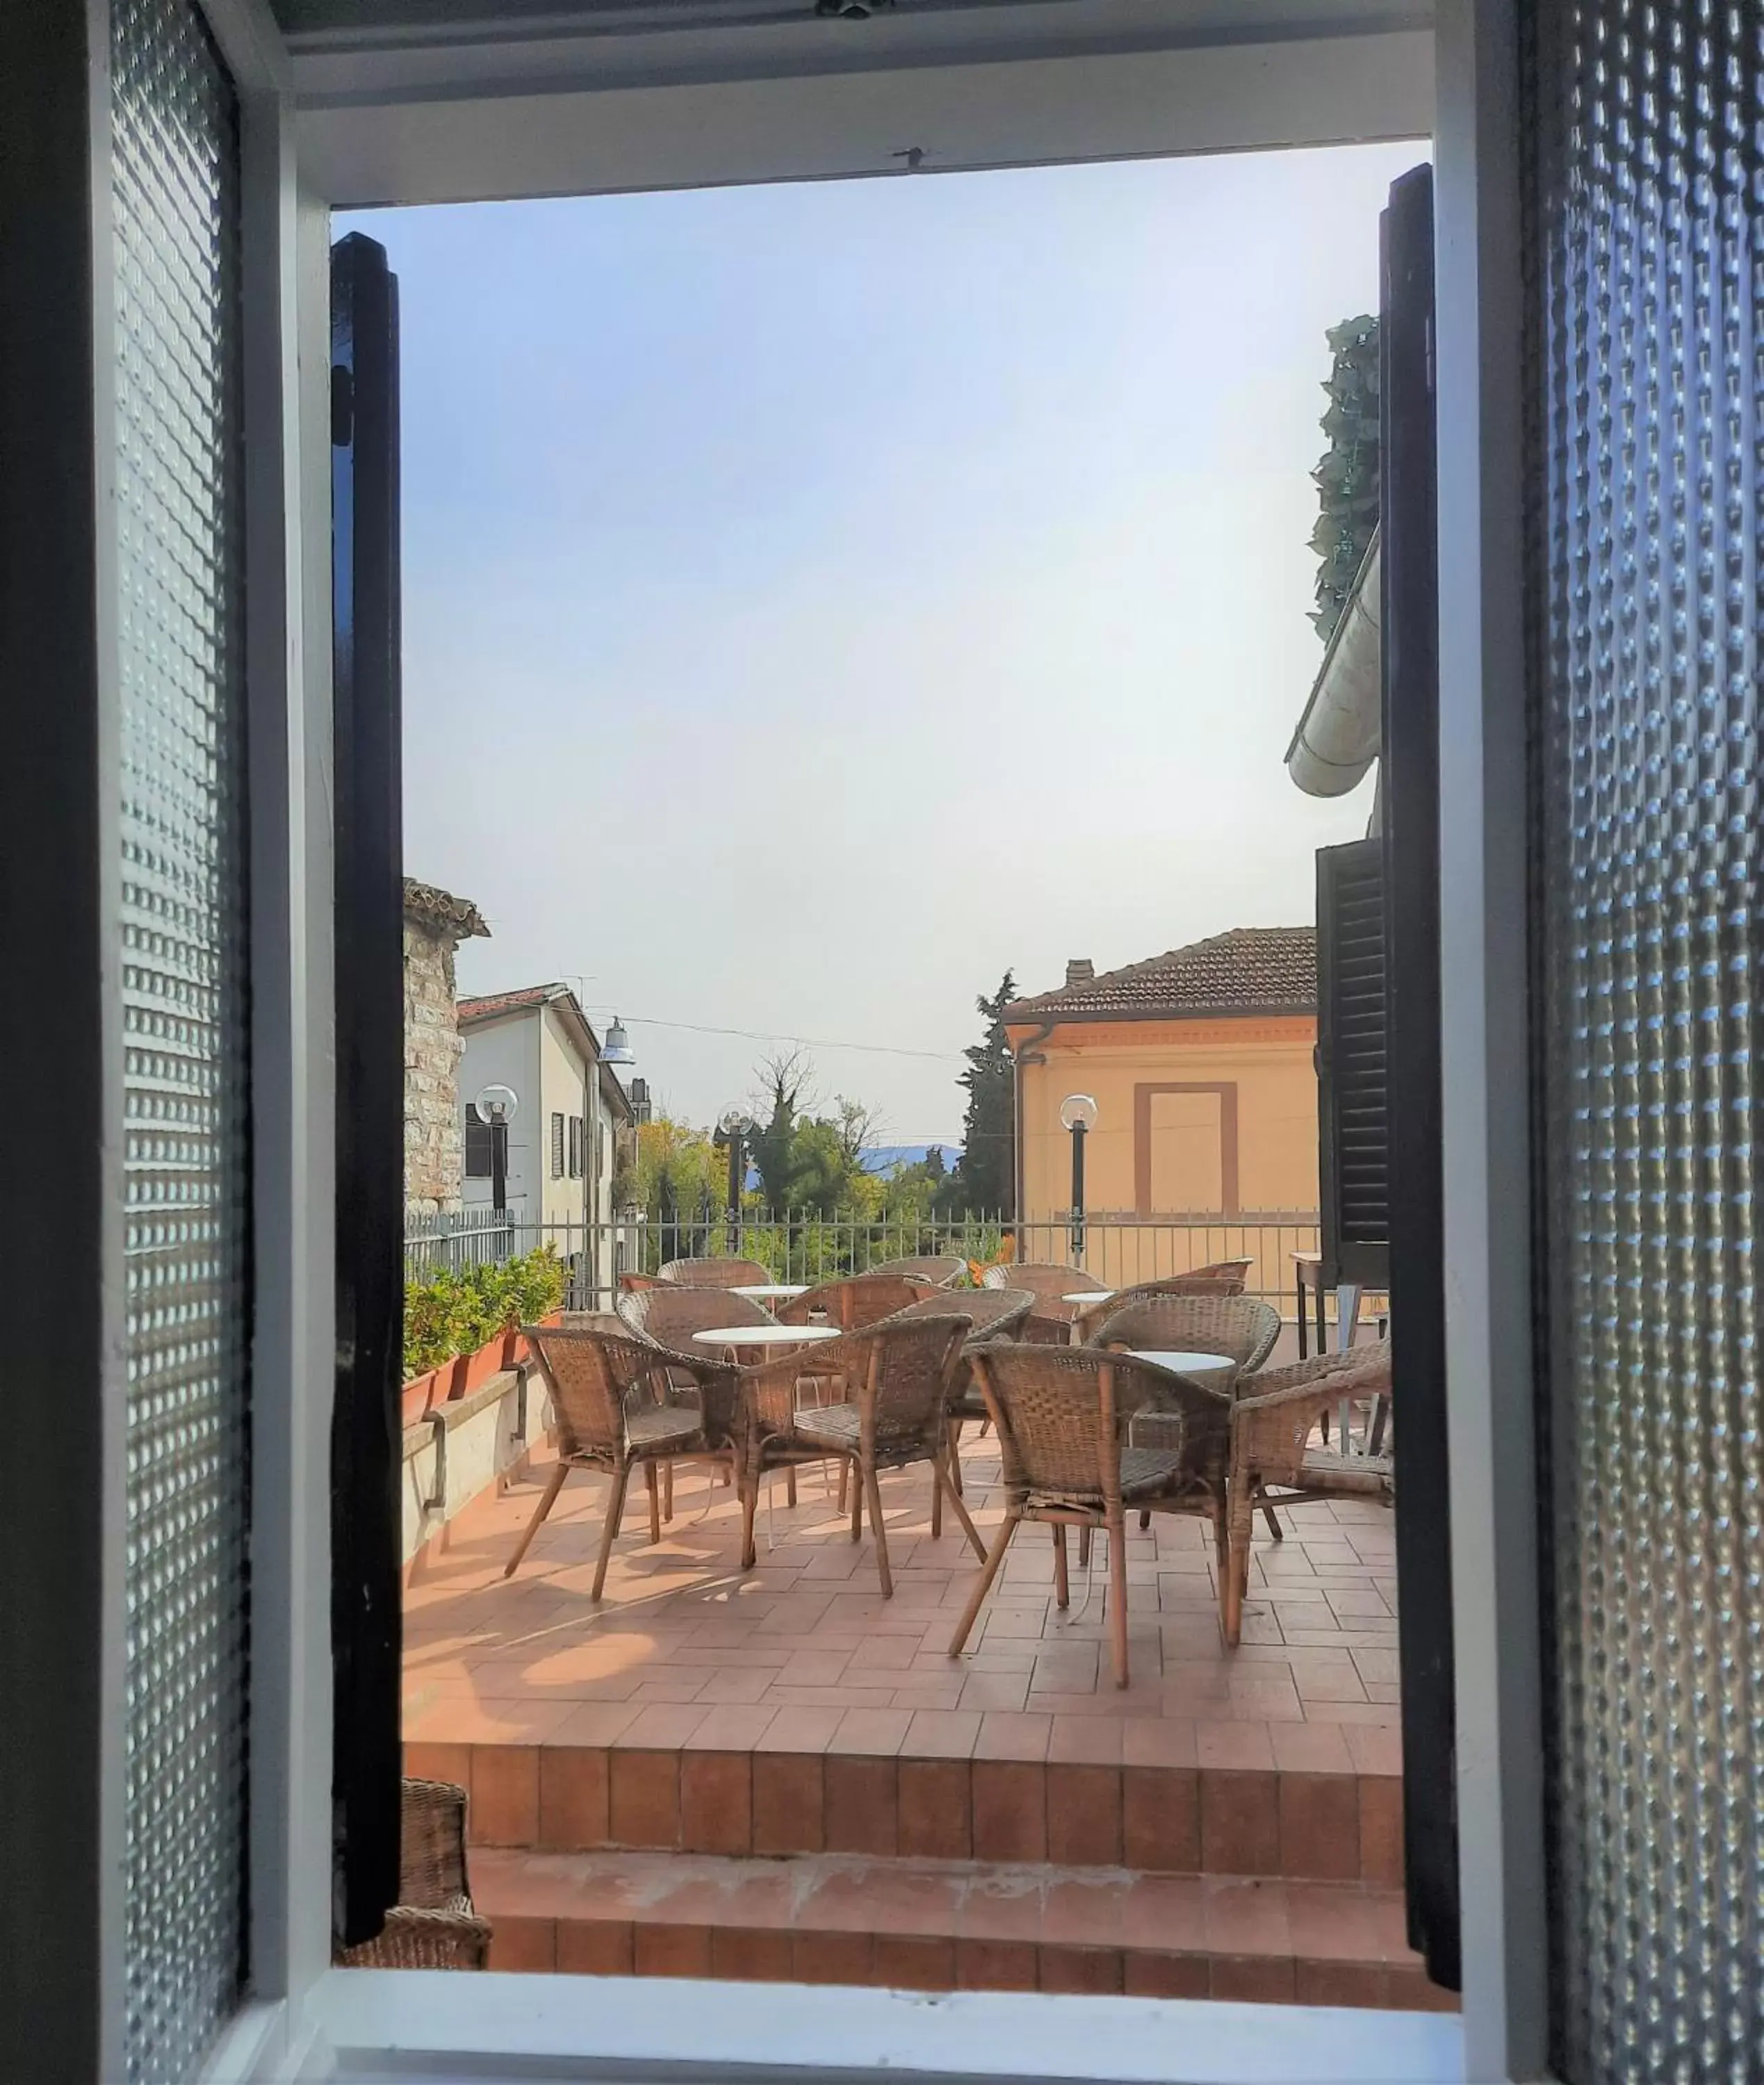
column 1201, row 1065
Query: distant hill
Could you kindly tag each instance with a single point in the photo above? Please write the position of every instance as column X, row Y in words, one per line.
column 886, row 1156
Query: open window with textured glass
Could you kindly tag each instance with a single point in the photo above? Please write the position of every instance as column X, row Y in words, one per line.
column 1644, row 387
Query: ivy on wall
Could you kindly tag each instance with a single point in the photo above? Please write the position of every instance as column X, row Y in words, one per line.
column 1347, row 478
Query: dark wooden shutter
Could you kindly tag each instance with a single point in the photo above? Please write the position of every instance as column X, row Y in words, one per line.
column 480, row 1147
column 1352, row 1120
column 366, row 1623
column 1410, row 618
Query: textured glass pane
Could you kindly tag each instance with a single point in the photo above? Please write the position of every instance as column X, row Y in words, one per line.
column 1644, row 353
column 174, row 132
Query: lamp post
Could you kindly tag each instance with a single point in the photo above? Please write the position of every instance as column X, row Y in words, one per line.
column 496, row 1106
column 733, row 1130
column 1077, row 1113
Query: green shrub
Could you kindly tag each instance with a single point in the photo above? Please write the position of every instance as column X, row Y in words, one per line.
column 450, row 1310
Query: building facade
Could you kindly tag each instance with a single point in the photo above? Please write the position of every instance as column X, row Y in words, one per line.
column 435, row 923
column 1201, row 1063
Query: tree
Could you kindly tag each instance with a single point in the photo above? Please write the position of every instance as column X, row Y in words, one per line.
column 807, row 1159
column 1348, row 478
column 984, row 1180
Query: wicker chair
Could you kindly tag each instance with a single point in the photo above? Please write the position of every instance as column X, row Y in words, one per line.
column 1089, row 1318
column 857, row 1301
column 1237, row 1326
column 1194, row 1321
column 715, row 1273
column 432, row 1926
column 667, row 1316
column 992, row 1314
column 942, row 1267
column 1050, row 1322
column 1271, row 1449
column 889, row 1385
column 1228, row 1268
column 618, row 1404
column 1062, row 1414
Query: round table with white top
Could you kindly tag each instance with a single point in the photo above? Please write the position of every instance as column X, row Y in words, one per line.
column 764, row 1336
column 770, row 1292
column 1088, row 1298
column 1183, row 1363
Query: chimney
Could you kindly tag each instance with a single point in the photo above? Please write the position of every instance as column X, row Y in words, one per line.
column 1079, row 969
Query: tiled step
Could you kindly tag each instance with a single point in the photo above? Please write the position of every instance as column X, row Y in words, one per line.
column 1322, row 1805
column 944, row 1925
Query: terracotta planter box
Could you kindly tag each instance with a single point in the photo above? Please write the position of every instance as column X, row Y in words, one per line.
column 472, row 1371
column 517, row 1347
column 422, row 1393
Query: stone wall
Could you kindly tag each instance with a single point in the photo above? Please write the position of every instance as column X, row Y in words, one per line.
column 435, row 923
column 434, row 1132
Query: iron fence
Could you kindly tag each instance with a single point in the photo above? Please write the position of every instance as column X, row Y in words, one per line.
column 802, row 1245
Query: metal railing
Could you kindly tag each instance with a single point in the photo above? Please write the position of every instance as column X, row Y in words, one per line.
column 802, row 1245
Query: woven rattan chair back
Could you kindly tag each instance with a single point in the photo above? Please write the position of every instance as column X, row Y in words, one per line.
column 906, row 1384
column 991, row 1313
column 1237, row 1326
column 715, row 1273
column 592, row 1377
column 1046, row 1279
column 1271, row 1429
column 857, row 1302
column 942, row 1267
column 433, row 1924
column 669, row 1316
column 1061, row 1414
column 1239, row 1267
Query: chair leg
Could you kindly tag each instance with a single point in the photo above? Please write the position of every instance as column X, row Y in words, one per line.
column 936, row 1503
column 1062, row 1584
column 872, row 1492
column 845, row 1479
column 1116, row 1525
column 554, row 1485
column 667, row 1490
column 849, row 1476
column 955, row 1456
column 1273, row 1519
column 1144, row 1518
column 790, row 1485
column 940, row 1480
column 1084, row 1548
column 750, row 1505
column 615, row 1513
column 654, row 1501
column 995, row 1557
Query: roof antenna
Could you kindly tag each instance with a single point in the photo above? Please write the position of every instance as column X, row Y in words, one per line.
column 914, row 156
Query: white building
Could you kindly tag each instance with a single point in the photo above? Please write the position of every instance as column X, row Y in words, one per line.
column 564, row 1142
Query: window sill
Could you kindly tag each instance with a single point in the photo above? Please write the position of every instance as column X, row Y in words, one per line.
column 429, row 2024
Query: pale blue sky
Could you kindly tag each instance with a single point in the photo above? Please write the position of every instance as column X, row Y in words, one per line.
column 818, row 598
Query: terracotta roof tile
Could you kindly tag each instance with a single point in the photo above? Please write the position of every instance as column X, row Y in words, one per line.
column 511, row 1002
column 1251, row 969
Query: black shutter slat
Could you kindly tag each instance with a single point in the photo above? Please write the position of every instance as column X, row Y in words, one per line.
column 1352, row 1052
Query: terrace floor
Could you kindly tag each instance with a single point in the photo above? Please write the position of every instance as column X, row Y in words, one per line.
column 938, row 1813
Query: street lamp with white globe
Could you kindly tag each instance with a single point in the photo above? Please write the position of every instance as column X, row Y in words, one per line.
column 496, row 1106
column 1077, row 1113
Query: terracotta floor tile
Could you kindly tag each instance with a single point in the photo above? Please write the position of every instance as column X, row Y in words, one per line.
column 936, row 1812
column 1246, row 1917
column 1331, row 1922
column 876, row 1733
column 1150, row 1976
column 661, row 1727
column 1161, row 1818
column 523, row 1944
column 504, row 1808
column 789, row 1802
column 1010, row 1819
column 1234, row 1746
column 995, row 1965
column 1084, row 1814
column 731, row 1727
column 751, row 1956
column 833, row 1958
column 1381, row 1831
column 672, row 1950
column 1310, row 1748
column 425, row 1761
column 644, row 1798
column 595, row 1947
column 1252, row 1979
column 572, row 1815
column 1096, row 1972
column 800, row 1729
column 862, row 1801
column 1007, row 1733
column 942, row 1734
column 1086, row 1740
column 716, row 1792
column 1320, row 1826
column 1239, row 1823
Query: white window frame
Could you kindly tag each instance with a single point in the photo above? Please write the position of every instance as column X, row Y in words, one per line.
column 423, row 124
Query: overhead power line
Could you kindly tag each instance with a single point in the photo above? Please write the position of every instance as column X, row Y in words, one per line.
column 765, row 1035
